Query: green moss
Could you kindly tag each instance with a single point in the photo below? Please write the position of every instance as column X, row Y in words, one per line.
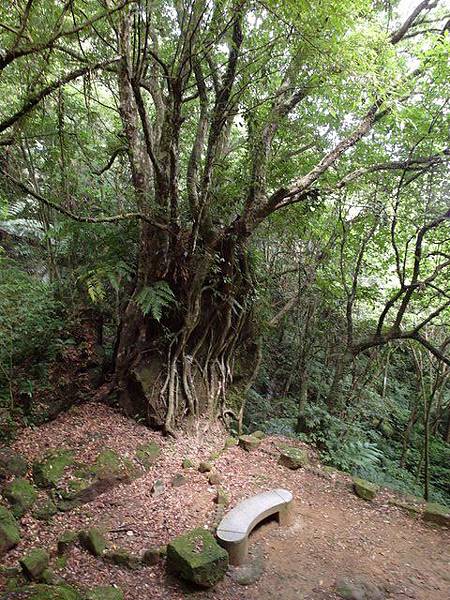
column 67, row 539
column 110, row 464
column 52, row 592
column 147, row 454
column 21, row 495
column 293, row 458
column 34, row 563
column 93, row 541
column 123, row 558
column 12, row 463
column 45, row 510
column 248, row 442
column 60, row 563
column 48, row 472
column 9, row 531
column 260, row 435
column 187, row 463
column 107, row 592
column 197, row 557
column 364, row 489
column 230, row 442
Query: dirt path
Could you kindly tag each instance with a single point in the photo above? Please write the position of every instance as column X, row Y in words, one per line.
column 335, row 534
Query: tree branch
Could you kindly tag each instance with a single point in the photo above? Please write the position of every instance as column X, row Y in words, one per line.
column 80, row 218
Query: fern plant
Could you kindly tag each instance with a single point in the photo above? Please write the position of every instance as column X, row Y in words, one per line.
column 154, row 299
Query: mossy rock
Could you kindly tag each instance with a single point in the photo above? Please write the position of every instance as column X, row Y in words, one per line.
column 21, row 495
column 214, row 478
column 364, row 489
column 153, row 556
column 45, row 510
column 110, row 464
column 230, row 442
column 205, row 467
column 9, row 531
column 66, row 540
column 249, row 443
column 293, row 458
column 105, row 592
column 93, row 541
column 147, row 454
column 197, row 557
column 260, row 435
column 437, row 513
column 178, row 480
column 67, row 505
column 411, row 509
column 221, row 498
column 46, row 592
column 122, row 558
column 12, row 463
column 49, row 471
column 187, row 463
column 34, row 563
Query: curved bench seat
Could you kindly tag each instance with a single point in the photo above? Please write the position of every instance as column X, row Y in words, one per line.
column 236, row 526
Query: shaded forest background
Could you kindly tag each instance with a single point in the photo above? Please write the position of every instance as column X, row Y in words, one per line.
column 285, row 161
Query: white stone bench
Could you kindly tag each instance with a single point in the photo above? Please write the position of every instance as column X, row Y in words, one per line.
column 236, row 526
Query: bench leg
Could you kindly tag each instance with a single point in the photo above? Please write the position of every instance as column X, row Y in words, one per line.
column 286, row 515
column 237, row 552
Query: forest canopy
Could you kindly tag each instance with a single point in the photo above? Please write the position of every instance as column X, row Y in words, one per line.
column 232, row 208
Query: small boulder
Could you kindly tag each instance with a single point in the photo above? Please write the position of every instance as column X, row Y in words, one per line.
column 9, row 531
column 34, row 563
column 187, row 463
column 158, row 488
column 437, row 513
column 411, row 509
column 221, row 498
column 152, row 556
column 197, row 557
column 65, row 541
column 48, row 472
column 259, row 434
column 42, row 591
column 293, row 458
column 364, row 489
column 359, row 589
column 205, row 467
column 249, row 443
column 105, row 592
column 230, row 442
column 12, row 463
column 21, row 495
column 93, row 541
column 178, row 480
column 45, row 510
column 110, row 465
column 147, row 454
column 122, row 558
column 214, row 478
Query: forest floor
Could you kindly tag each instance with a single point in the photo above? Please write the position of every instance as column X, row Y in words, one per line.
column 335, row 535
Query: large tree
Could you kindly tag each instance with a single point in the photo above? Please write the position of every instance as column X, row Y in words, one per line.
column 229, row 111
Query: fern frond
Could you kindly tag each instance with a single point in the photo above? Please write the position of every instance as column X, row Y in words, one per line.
column 154, row 299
